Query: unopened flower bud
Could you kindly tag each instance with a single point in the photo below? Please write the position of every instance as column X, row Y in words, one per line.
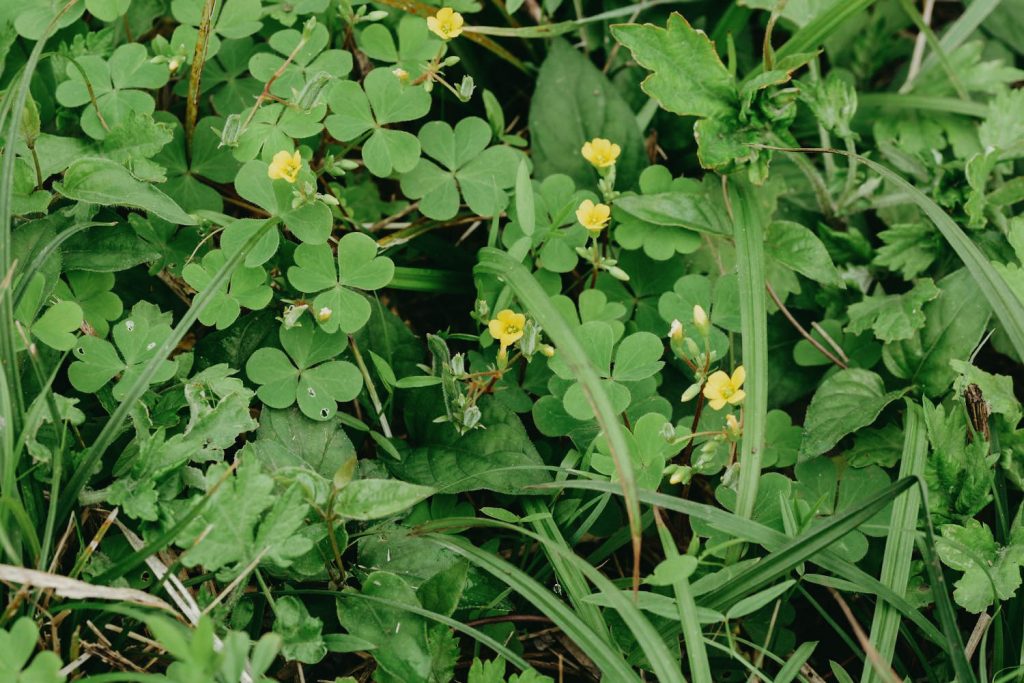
column 400, row 73
column 231, row 131
column 471, row 417
column 691, row 348
column 691, row 392
column 466, row 88
column 376, row 15
column 173, row 63
column 324, row 314
column 618, row 274
column 307, row 28
column 311, row 93
column 548, row 350
column 451, row 61
column 700, row 320
column 675, row 331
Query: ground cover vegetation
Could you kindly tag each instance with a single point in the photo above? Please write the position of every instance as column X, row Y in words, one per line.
column 511, row 341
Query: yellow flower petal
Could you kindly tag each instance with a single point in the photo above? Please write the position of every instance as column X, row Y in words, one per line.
column 737, row 397
column 738, row 375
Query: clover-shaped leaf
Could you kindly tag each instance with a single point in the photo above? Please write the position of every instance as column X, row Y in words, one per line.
column 556, row 233
column 117, row 85
column 308, row 61
column 383, row 99
column 17, row 665
column 306, row 374
column 207, row 160
column 660, row 242
column 91, row 291
column 275, row 127
column 55, row 326
column 636, row 358
column 231, row 19
column 247, row 288
column 416, row 45
column 136, row 339
column 480, row 173
column 316, row 271
column 648, row 449
column 310, row 221
column 33, row 17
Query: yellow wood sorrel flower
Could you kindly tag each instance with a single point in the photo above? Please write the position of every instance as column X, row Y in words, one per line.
column 721, row 389
column 593, row 217
column 507, row 328
column 447, row 23
column 601, row 153
column 285, row 166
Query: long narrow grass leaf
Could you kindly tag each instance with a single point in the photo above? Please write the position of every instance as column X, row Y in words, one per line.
column 899, row 544
column 537, row 302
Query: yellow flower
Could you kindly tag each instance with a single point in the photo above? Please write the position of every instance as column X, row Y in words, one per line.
column 507, row 328
column 285, row 166
column 601, row 153
column 721, row 389
column 593, row 217
column 447, row 23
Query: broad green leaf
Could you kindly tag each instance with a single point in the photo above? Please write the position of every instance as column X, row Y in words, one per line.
column 107, row 183
column 955, row 323
column 367, row 499
column 573, row 103
column 688, row 77
column 893, row 317
column 288, row 439
column 243, row 519
column 797, row 247
column 845, row 402
column 408, row 648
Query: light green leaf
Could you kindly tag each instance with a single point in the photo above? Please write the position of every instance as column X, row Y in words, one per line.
column 108, row 183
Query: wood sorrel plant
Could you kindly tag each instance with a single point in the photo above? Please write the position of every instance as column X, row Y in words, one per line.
column 522, row 342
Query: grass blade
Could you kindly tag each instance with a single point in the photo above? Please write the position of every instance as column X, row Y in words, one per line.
column 593, row 645
column 804, row 547
column 536, row 301
column 665, row 666
column 693, row 636
column 568, row 576
column 899, row 545
column 748, row 234
column 769, row 539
